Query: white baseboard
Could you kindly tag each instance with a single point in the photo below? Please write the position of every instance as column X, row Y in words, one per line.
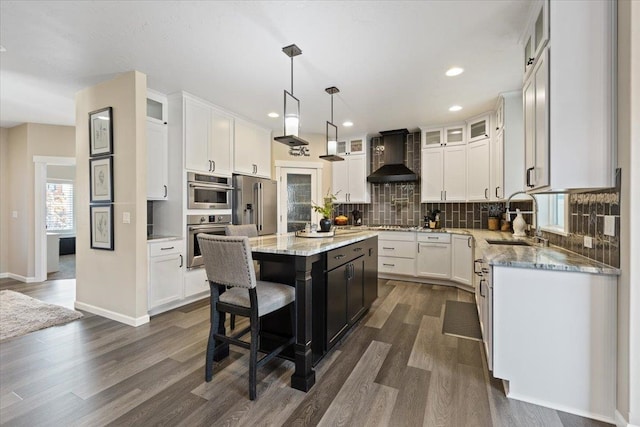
column 553, row 405
column 127, row 320
column 180, row 303
column 17, row 277
column 622, row 422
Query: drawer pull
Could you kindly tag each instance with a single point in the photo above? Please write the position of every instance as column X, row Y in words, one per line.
column 389, row 265
column 339, row 256
column 166, row 249
column 390, row 249
column 357, row 249
column 433, row 237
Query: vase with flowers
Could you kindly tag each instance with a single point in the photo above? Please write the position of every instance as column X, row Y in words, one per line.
column 326, row 210
column 494, row 212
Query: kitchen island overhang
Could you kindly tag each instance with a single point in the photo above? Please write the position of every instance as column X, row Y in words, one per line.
column 336, row 283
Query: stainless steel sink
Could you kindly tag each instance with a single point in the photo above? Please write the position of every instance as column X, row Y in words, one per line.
column 507, row 242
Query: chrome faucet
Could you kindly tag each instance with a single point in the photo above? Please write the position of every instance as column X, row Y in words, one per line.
column 538, row 234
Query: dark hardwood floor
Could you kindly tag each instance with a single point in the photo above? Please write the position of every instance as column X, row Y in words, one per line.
column 395, row 368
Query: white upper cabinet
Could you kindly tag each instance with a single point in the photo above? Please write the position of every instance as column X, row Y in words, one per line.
column 351, row 146
column 157, row 146
column 252, row 149
column 349, row 177
column 208, row 135
column 444, row 175
column 443, row 136
column 478, row 171
column 536, row 36
column 157, row 160
column 569, row 100
column 479, row 128
column 507, row 147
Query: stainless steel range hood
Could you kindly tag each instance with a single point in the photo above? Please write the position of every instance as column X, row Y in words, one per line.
column 394, row 169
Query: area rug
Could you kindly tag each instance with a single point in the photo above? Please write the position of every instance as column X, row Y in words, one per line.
column 21, row 314
column 461, row 320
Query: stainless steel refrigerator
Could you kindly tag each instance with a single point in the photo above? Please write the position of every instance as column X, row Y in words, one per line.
column 255, row 202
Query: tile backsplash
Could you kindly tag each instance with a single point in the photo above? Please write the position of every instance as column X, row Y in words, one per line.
column 399, row 204
column 586, row 218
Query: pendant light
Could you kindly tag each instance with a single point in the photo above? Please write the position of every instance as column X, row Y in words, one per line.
column 332, row 132
column 291, row 107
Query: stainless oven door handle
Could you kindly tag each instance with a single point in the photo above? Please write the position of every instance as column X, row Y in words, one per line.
column 211, row 187
column 205, row 227
column 260, row 206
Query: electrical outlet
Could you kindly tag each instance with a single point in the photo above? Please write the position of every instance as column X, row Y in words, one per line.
column 609, row 225
column 14, row 214
column 588, row 242
column 126, row 218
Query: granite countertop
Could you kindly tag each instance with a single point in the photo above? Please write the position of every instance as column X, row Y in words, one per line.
column 154, row 238
column 535, row 256
column 289, row 244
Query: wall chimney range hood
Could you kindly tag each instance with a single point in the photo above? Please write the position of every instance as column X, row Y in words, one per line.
column 394, row 169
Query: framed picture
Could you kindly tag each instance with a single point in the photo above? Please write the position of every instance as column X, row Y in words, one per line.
column 101, row 132
column 101, row 179
column 101, row 227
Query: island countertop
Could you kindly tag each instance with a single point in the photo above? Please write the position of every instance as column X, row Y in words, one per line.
column 289, row 244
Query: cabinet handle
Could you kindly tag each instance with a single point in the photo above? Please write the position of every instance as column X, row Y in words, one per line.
column 214, row 165
column 389, row 265
column 166, row 249
column 181, row 259
column 469, row 241
column 418, row 247
column 210, row 166
column 433, row 238
column 529, row 170
column 165, row 191
column 389, row 249
column 445, row 194
column 530, row 61
column 357, row 249
column 482, row 294
column 486, row 191
column 339, row 256
column 476, row 262
column 497, row 191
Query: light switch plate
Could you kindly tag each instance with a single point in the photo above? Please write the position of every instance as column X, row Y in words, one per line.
column 609, row 225
column 588, row 242
column 126, row 217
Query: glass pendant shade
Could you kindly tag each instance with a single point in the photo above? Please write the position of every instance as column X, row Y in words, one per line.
column 332, row 133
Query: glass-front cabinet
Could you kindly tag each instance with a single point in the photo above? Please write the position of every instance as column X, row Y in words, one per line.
column 537, row 34
column 443, row 136
column 478, row 127
column 351, row 146
column 432, row 137
column 454, row 135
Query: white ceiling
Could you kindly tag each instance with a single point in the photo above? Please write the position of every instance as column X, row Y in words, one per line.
column 388, row 58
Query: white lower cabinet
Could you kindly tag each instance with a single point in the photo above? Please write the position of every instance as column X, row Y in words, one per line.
column 165, row 273
column 396, row 253
column 195, row 282
column 434, row 255
column 462, row 259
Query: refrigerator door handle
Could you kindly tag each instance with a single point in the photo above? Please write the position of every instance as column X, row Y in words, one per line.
column 260, row 207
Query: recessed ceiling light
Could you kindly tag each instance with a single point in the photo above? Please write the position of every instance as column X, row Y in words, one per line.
column 454, row 71
column 347, row 124
column 455, row 108
column 273, row 115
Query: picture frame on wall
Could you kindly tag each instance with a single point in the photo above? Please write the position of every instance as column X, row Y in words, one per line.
column 101, row 179
column 101, row 227
column 101, row 132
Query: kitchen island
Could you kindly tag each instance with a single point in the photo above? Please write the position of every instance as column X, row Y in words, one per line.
column 336, row 283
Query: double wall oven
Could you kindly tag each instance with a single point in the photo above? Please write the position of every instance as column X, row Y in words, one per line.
column 208, row 191
column 208, row 224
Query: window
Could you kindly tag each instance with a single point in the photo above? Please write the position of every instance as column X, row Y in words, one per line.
column 60, row 206
column 552, row 212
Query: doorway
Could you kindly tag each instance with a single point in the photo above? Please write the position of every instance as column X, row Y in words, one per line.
column 44, row 254
column 299, row 185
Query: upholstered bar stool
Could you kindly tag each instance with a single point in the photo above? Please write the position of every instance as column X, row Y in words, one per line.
column 228, row 263
column 248, row 230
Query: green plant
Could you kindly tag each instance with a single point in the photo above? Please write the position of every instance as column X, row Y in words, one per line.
column 326, row 209
column 495, row 210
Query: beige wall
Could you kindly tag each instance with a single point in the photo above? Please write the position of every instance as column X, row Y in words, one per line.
column 628, row 379
column 22, row 144
column 4, row 200
column 280, row 151
column 114, row 283
column 67, row 173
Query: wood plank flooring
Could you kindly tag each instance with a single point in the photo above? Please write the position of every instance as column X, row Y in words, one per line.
column 395, row 368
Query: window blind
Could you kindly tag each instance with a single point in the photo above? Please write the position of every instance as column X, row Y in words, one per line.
column 60, row 206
